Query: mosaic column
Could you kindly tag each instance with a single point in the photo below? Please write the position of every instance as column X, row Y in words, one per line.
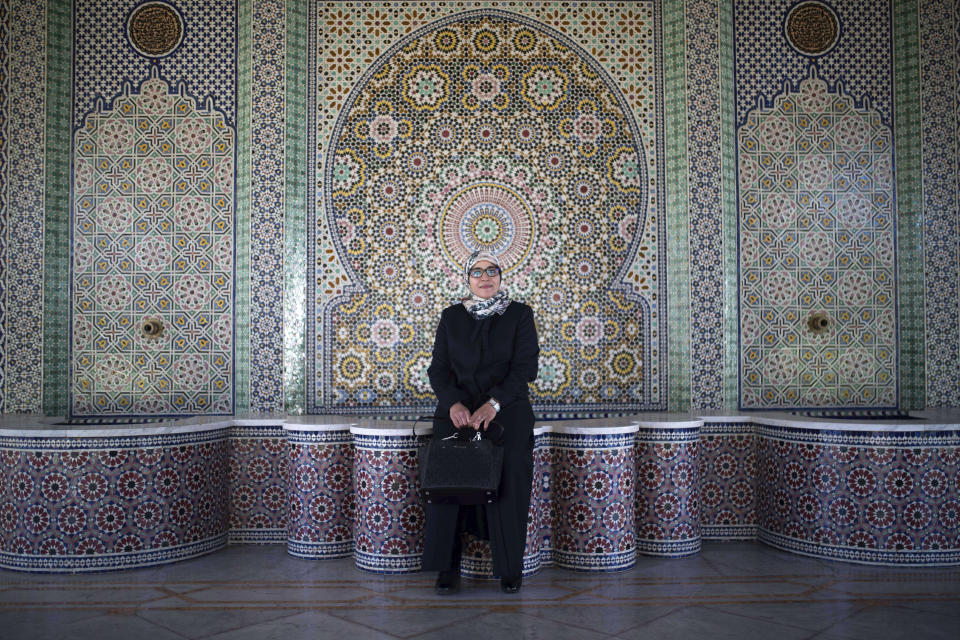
column 320, row 497
column 592, row 492
column 667, row 507
column 388, row 528
column 539, row 523
column 477, row 559
column 728, row 480
column 257, row 476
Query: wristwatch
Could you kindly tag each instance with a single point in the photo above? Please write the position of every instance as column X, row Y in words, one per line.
column 493, row 403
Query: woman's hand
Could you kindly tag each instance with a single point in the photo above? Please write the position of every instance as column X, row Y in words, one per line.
column 482, row 416
column 460, row 415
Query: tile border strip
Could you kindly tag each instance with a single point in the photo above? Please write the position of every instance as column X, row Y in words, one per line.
column 296, row 278
column 939, row 87
column 113, row 561
column 243, row 188
column 705, row 210
column 266, row 279
column 23, row 215
column 728, row 189
column 909, row 197
column 677, row 240
column 56, row 232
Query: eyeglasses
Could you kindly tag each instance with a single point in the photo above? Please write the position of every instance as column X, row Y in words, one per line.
column 491, row 272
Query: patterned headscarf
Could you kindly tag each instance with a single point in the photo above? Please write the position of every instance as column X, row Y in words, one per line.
column 478, row 307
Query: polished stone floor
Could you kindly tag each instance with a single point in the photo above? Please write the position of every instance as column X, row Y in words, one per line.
column 739, row 590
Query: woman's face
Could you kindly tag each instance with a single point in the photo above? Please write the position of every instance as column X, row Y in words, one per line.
column 485, row 286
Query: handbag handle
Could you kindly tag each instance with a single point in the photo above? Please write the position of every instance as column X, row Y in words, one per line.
column 498, row 440
column 418, row 421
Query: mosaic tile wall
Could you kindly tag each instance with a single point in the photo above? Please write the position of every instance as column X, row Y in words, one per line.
column 940, row 102
column 153, row 212
column 682, row 85
column 817, row 237
column 706, row 328
column 21, row 204
column 505, row 131
column 816, row 206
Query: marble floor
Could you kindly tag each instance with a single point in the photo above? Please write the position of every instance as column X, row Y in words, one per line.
column 739, row 590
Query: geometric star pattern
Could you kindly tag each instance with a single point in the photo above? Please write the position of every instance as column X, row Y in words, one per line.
column 817, row 233
column 862, row 59
column 435, row 153
column 22, row 191
column 153, row 240
column 104, row 57
column 940, row 104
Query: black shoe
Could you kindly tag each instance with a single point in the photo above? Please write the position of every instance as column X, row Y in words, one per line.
column 448, row 582
column 511, row 585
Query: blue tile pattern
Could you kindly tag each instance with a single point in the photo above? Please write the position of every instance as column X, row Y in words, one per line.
column 267, row 227
column 862, row 58
column 706, row 216
column 104, row 58
column 940, row 80
column 23, row 208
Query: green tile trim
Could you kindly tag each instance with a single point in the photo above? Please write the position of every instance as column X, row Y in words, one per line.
column 728, row 173
column 56, row 228
column 295, row 223
column 678, row 242
column 241, row 327
column 907, row 115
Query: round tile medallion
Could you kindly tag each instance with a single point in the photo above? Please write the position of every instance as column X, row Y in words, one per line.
column 812, row 28
column 155, row 29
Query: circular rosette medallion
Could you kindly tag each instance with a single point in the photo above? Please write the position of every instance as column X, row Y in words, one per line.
column 487, row 217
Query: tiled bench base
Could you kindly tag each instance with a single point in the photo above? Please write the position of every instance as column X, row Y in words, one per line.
column 604, row 492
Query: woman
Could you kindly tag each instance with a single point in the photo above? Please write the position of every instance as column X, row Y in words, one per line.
column 484, row 355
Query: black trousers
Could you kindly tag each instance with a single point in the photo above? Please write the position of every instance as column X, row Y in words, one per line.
column 506, row 519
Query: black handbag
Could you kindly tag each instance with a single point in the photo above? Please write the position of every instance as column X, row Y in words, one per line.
column 463, row 468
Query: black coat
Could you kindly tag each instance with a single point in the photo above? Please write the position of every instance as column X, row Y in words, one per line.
column 473, row 361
